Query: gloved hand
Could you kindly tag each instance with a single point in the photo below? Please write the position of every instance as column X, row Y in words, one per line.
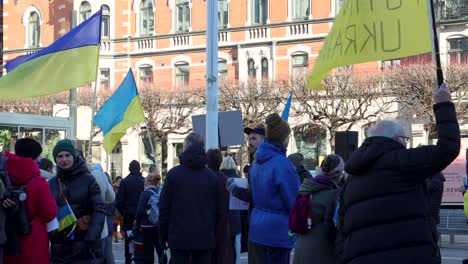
column 231, row 184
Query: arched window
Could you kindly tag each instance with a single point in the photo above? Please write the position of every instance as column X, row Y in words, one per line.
column 252, row 71
column 34, row 36
column 265, row 69
column 182, row 74
column 85, row 11
column 311, row 143
column 300, row 64
column 146, row 17
column 105, row 25
column 146, row 75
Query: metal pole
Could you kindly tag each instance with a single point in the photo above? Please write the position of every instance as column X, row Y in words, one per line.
column 73, row 108
column 150, row 139
column 89, row 159
column 435, row 42
column 212, row 75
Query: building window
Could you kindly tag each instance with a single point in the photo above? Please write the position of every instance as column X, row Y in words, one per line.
column 311, row 143
column 146, row 17
column 458, row 51
column 222, row 70
column 105, row 23
column 223, row 14
column 146, row 75
column 301, row 9
column 104, row 79
column 34, row 30
column 389, row 64
column 182, row 74
column 183, row 15
column 85, row 11
column 259, row 11
column 299, row 64
column 252, row 70
column 338, row 5
column 265, row 69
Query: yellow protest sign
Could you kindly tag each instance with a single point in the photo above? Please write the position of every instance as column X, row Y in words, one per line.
column 371, row 30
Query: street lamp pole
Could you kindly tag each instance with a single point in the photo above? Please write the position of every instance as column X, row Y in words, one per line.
column 212, row 75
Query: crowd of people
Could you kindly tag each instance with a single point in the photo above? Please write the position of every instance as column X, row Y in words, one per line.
column 379, row 206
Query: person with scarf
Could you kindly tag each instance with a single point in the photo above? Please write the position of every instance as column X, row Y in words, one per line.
column 317, row 244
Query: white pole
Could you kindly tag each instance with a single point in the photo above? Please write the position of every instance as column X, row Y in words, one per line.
column 212, row 74
column 91, row 130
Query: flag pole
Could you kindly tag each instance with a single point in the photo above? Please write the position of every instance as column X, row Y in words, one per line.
column 212, row 139
column 435, row 43
column 91, row 130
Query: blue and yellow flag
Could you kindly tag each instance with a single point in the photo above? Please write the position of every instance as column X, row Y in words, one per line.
column 120, row 112
column 66, row 218
column 287, row 107
column 71, row 61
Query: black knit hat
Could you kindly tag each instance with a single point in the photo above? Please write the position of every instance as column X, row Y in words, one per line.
column 28, row 148
column 64, row 145
column 277, row 130
column 134, row 167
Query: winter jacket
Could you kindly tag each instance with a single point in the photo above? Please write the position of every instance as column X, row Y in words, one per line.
column 40, row 207
column 318, row 244
column 188, row 203
column 234, row 215
column 274, row 184
column 84, row 197
column 223, row 252
column 127, row 197
column 303, row 173
column 384, row 209
column 107, row 194
column 435, row 185
column 143, row 206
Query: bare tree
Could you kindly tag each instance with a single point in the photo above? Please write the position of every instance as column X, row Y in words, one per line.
column 347, row 99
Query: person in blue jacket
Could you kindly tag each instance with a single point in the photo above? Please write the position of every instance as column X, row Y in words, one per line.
column 274, row 185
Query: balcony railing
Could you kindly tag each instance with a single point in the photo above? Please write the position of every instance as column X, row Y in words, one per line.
column 453, row 10
column 258, row 33
column 302, row 29
column 180, row 41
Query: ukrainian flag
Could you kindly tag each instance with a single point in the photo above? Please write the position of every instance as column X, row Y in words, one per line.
column 66, row 218
column 71, row 61
column 120, row 112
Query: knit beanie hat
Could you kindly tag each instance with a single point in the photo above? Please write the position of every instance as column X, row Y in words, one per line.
column 332, row 166
column 296, row 159
column 64, row 145
column 134, row 167
column 277, row 130
column 28, row 148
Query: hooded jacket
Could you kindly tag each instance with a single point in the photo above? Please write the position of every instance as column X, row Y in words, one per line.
column 274, row 184
column 318, row 244
column 84, row 196
column 107, row 194
column 40, row 207
column 390, row 181
column 188, row 203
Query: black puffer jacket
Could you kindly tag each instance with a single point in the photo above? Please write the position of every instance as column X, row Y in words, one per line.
column 84, row 196
column 385, row 215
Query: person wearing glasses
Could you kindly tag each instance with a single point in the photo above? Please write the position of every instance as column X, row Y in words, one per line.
column 385, row 213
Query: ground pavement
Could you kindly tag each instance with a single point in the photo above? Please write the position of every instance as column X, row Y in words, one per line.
column 451, row 253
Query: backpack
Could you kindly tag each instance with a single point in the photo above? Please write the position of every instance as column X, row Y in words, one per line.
column 153, row 207
column 300, row 216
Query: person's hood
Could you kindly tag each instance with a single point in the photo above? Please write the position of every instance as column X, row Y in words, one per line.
column 21, row 169
column 268, row 150
column 47, row 175
column 371, row 150
column 79, row 167
column 314, row 185
column 98, row 167
column 194, row 157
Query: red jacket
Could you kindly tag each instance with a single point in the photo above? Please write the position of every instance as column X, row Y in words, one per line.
column 41, row 208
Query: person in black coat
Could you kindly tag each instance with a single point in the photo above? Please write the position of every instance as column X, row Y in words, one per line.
column 435, row 186
column 78, row 186
column 384, row 214
column 127, row 200
column 189, row 206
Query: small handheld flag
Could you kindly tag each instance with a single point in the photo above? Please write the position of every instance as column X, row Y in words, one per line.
column 287, row 107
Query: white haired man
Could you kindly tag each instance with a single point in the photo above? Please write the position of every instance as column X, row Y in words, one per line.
column 384, row 208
